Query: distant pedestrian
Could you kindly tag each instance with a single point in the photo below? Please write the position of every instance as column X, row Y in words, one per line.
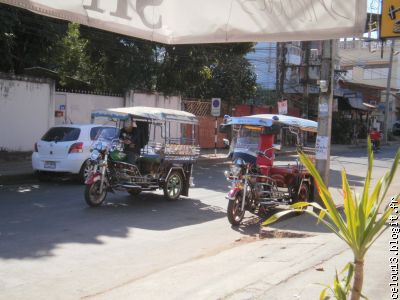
column 375, row 137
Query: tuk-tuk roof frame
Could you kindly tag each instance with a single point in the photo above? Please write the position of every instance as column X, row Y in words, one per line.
column 143, row 113
column 267, row 120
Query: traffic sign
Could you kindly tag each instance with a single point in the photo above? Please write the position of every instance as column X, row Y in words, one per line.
column 216, row 107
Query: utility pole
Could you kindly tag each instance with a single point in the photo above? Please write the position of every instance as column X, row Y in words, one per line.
column 323, row 141
column 386, row 116
column 306, row 62
column 281, row 53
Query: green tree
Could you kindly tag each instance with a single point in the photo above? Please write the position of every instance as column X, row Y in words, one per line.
column 113, row 62
column 8, row 18
column 27, row 39
column 119, row 63
column 205, row 71
column 73, row 60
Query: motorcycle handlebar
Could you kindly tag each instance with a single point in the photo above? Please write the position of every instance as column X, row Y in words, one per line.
column 263, row 153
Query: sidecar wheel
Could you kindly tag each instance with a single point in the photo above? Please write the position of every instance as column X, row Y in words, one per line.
column 235, row 212
column 93, row 197
column 173, row 186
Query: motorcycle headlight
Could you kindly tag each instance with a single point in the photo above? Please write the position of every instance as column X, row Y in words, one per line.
column 227, row 174
column 95, row 155
column 235, row 170
column 99, row 146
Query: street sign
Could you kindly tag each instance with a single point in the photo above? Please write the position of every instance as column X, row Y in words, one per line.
column 216, row 107
column 390, row 26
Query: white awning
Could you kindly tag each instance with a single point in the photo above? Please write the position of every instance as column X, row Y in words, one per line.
column 211, row 21
column 303, row 124
column 147, row 113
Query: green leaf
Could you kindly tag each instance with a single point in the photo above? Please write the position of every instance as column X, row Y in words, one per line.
column 377, row 229
column 326, row 197
column 276, row 217
column 349, row 208
column 390, row 175
column 322, row 295
column 367, row 177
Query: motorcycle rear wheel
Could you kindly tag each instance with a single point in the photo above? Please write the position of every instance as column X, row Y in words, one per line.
column 301, row 194
column 235, row 212
column 93, row 197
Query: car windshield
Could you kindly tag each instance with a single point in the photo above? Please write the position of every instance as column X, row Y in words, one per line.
column 61, row 134
column 104, row 133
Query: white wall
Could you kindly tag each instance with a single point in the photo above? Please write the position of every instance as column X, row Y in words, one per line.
column 26, row 112
column 153, row 100
column 78, row 107
column 28, row 105
column 157, row 100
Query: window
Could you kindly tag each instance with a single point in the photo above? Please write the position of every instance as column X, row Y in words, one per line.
column 348, row 75
column 107, row 133
column 61, row 134
column 376, row 73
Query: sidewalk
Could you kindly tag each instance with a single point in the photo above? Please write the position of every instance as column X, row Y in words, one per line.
column 270, row 268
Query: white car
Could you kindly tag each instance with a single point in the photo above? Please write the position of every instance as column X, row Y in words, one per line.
column 66, row 148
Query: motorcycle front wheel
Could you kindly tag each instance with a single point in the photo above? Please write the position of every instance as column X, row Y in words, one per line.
column 235, row 212
column 93, row 197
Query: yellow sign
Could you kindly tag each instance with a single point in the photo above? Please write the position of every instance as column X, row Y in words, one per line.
column 390, row 20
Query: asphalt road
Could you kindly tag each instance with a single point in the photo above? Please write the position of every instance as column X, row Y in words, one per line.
column 52, row 246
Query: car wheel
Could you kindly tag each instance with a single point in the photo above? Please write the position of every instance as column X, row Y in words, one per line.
column 85, row 171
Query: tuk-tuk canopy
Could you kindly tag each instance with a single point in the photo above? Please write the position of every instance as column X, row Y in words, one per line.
column 248, row 121
column 268, row 120
column 146, row 113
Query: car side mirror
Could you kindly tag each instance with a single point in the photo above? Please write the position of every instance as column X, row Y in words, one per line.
column 226, row 142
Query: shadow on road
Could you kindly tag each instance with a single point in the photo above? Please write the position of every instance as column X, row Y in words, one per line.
column 303, row 224
column 335, row 180
column 210, row 175
column 34, row 221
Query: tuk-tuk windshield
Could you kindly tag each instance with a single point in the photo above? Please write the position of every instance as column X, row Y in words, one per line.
column 247, row 139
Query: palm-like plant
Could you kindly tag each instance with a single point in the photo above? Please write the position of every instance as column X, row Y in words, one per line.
column 362, row 223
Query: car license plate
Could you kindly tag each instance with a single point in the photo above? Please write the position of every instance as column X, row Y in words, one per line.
column 50, row 164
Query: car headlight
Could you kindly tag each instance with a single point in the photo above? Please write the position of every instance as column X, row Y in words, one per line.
column 95, row 155
column 235, row 170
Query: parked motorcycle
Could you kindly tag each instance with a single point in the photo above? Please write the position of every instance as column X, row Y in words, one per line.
column 166, row 164
column 257, row 185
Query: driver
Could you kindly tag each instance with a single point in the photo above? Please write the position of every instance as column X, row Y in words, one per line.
column 130, row 138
